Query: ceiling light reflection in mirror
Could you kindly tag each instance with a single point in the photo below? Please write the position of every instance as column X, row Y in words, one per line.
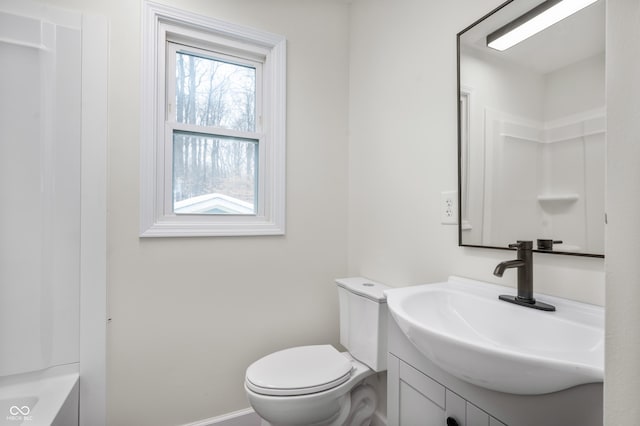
column 538, row 19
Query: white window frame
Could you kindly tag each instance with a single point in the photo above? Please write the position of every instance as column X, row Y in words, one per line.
column 164, row 23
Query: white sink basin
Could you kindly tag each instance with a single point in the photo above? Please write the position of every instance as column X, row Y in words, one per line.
column 464, row 329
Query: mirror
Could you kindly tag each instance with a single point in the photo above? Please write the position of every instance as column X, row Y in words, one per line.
column 531, row 132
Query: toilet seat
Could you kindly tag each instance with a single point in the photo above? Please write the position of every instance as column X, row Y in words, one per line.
column 299, row 371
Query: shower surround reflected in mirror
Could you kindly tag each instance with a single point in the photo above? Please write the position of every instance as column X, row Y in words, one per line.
column 531, row 133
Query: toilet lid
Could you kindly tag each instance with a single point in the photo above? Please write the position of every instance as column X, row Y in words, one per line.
column 298, row 371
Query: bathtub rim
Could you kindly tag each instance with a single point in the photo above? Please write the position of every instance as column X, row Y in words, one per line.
column 52, row 386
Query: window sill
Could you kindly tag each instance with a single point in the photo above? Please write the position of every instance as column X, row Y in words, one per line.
column 201, row 228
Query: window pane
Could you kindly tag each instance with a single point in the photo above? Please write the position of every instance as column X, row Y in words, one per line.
column 214, row 174
column 211, row 92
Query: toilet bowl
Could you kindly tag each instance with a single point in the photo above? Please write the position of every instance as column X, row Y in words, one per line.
column 318, row 385
column 323, row 397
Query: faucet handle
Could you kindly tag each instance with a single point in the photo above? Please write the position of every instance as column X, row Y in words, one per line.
column 547, row 244
column 522, row 245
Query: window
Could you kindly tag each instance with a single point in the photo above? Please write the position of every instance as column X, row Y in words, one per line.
column 213, row 127
column 212, row 131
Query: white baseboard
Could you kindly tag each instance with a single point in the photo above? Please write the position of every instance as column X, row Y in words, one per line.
column 246, row 417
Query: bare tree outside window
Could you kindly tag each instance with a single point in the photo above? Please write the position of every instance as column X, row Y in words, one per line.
column 214, row 93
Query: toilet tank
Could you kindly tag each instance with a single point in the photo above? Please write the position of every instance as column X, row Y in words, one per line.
column 363, row 320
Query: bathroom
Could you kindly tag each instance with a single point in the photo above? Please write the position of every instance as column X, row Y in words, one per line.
column 371, row 144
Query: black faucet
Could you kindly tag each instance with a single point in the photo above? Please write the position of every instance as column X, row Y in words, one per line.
column 524, row 263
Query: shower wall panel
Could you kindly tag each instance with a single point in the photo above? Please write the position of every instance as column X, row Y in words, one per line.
column 40, row 116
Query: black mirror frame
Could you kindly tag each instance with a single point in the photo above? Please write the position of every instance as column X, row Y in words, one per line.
column 459, row 138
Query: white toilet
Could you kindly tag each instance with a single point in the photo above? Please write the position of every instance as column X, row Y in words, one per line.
column 317, row 385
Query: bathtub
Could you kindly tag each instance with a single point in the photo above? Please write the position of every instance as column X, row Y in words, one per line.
column 40, row 398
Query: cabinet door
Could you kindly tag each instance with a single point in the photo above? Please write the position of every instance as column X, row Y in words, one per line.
column 414, row 399
column 417, row 409
column 476, row 417
column 456, row 408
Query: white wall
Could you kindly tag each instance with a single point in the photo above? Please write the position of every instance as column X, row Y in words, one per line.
column 189, row 315
column 502, row 84
column 576, row 88
column 503, row 183
column 622, row 381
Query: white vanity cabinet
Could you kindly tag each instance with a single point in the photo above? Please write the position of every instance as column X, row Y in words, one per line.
column 420, row 400
column 420, row 393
